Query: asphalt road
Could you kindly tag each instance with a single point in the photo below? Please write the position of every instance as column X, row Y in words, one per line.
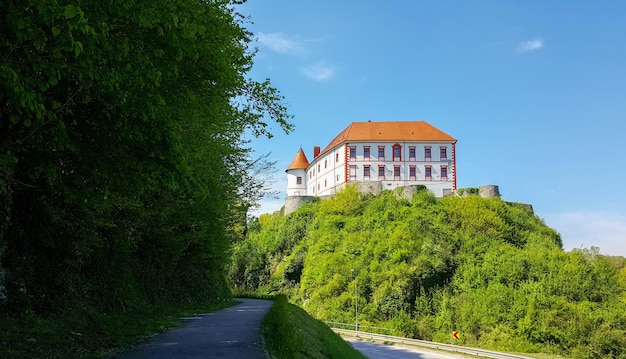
column 230, row 333
column 383, row 351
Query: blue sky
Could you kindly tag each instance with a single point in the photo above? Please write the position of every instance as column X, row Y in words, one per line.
column 534, row 92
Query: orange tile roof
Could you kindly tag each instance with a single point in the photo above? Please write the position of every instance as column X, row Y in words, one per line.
column 390, row 131
column 299, row 162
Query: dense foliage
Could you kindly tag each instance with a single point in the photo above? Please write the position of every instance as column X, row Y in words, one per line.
column 122, row 164
column 427, row 267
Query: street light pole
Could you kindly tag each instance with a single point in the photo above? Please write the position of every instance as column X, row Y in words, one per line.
column 356, row 302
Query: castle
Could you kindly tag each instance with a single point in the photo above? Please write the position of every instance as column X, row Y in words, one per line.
column 377, row 155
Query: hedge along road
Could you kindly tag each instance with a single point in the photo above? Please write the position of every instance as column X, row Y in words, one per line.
column 234, row 332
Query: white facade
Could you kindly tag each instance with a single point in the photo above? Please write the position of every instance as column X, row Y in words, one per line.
column 394, row 154
column 296, row 182
column 399, row 164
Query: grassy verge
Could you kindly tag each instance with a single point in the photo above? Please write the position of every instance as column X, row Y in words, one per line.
column 84, row 333
column 290, row 332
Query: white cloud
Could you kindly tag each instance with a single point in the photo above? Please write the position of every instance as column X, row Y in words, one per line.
column 279, row 42
column 586, row 229
column 319, row 71
column 528, row 46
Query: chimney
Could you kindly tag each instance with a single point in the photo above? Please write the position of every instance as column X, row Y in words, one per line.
column 316, row 151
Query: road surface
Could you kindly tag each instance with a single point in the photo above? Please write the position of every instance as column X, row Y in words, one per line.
column 374, row 350
column 230, row 333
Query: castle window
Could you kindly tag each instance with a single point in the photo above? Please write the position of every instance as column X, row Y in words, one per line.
column 412, row 171
column 325, row 183
column 427, row 153
column 429, row 173
column 366, row 172
column 352, row 173
column 444, row 172
column 381, row 172
column 352, row 153
column 396, row 173
column 443, row 153
column 299, row 180
column 366, row 152
column 381, row 153
column 411, row 153
column 319, row 168
column 325, row 163
column 397, row 152
column 336, row 157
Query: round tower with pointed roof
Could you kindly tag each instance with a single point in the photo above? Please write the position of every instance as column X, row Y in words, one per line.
column 296, row 175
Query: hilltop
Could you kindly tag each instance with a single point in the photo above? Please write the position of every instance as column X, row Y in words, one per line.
column 427, row 267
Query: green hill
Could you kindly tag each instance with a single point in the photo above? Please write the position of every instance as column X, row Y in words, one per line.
column 427, row 267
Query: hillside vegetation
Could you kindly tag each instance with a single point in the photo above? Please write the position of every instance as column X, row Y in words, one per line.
column 427, row 267
column 291, row 333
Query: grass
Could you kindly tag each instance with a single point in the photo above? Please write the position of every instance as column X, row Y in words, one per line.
column 85, row 333
column 290, row 332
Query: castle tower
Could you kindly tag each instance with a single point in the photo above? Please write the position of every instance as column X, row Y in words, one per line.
column 296, row 175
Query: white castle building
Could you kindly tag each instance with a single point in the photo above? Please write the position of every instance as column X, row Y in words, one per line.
column 392, row 154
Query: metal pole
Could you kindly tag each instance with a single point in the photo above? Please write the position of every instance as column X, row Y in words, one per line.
column 356, row 302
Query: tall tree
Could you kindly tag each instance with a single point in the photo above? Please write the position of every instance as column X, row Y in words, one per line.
column 121, row 151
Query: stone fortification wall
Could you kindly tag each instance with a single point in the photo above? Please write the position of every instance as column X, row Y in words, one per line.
column 370, row 186
column 489, row 191
column 292, row 203
column 407, row 192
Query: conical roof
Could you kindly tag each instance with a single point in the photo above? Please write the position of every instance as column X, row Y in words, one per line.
column 299, row 162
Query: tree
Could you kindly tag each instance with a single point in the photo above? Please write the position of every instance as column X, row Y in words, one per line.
column 121, row 149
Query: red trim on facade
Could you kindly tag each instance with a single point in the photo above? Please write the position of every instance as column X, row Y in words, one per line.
column 441, row 170
column 393, row 152
column 454, row 165
column 428, row 169
column 346, row 168
column 350, row 148
column 396, row 173
column 443, row 149
column 430, row 152
column 353, row 174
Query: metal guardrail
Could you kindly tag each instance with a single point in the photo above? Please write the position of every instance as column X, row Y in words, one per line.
column 366, row 328
column 432, row 345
